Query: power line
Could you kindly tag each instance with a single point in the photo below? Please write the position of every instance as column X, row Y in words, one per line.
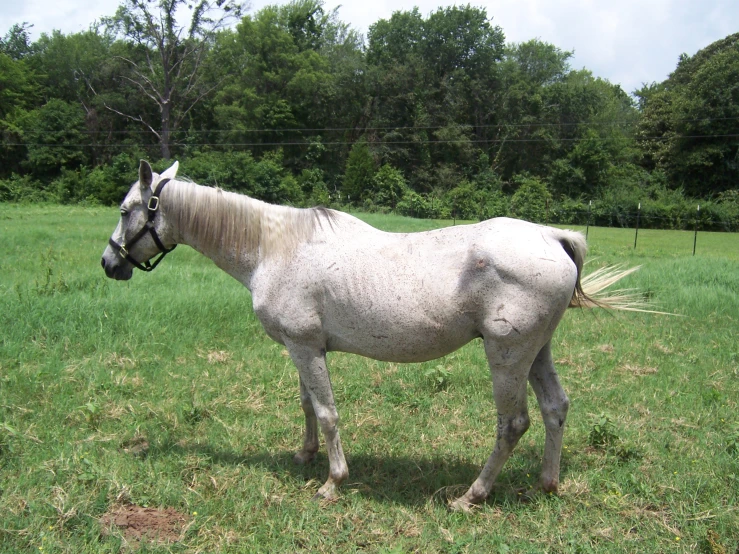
column 503, row 124
column 378, row 143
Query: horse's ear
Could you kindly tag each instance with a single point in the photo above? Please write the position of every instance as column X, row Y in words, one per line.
column 171, row 172
column 145, row 175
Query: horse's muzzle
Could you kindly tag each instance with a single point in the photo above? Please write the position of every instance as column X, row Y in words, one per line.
column 116, row 271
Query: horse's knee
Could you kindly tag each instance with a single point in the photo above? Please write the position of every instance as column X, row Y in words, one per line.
column 511, row 429
column 328, row 418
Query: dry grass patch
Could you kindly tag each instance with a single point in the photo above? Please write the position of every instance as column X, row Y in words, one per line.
column 638, row 370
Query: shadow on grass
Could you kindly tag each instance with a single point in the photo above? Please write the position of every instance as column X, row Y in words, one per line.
column 405, row 480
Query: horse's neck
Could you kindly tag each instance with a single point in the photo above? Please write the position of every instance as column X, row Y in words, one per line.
column 235, row 231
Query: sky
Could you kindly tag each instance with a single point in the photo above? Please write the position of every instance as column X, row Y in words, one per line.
column 628, row 42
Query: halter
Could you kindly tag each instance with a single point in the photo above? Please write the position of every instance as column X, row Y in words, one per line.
column 152, row 209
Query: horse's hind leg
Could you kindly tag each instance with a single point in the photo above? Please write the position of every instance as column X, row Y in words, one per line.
column 509, row 390
column 310, row 439
column 554, row 404
column 314, row 379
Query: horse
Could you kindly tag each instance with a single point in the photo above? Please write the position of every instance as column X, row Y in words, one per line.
column 322, row 280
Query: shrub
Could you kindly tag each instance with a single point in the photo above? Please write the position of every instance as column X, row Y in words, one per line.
column 465, row 201
column 414, row 205
column 388, row 186
column 24, row 189
column 494, row 204
column 531, row 200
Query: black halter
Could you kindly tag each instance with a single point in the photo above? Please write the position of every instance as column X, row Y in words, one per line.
column 152, row 208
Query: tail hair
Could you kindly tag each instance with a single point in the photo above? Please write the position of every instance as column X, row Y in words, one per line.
column 591, row 291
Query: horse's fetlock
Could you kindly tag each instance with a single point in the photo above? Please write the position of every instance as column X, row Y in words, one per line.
column 339, row 477
column 477, row 493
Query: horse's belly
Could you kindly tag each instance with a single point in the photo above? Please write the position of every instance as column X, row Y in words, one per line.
column 405, row 343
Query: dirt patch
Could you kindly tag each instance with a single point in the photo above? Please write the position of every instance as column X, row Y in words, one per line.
column 136, row 523
column 137, row 446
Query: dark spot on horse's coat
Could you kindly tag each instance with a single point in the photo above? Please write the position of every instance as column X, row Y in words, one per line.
column 480, row 264
column 504, row 320
column 380, row 336
column 332, row 265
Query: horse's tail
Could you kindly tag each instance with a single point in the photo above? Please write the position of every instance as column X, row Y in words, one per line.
column 590, row 290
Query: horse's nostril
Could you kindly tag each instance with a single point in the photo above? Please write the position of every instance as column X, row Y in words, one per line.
column 102, row 262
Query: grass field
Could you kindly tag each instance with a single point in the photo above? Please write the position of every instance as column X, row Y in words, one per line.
column 163, row 392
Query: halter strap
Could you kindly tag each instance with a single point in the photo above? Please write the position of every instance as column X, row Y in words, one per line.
column 152, row 209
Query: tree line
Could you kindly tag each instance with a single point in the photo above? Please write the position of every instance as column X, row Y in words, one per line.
column 428, row 115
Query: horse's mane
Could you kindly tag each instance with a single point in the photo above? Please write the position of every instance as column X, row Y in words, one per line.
column 222, row 219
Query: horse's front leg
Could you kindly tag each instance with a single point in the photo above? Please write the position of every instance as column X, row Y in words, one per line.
column 310, row 439
column 316, row 386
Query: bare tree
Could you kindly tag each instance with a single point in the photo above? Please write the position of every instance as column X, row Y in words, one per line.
column 169, row 73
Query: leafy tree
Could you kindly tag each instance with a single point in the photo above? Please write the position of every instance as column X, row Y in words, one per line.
column 165, row 61
column 16, row 43
column 433, row 84
column 79, row 68
column 55, row 137
column 295, row 68
column 360, row 172
column 688, row 124
column 19, row 91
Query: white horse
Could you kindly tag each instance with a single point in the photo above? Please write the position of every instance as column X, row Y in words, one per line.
column 322, row 280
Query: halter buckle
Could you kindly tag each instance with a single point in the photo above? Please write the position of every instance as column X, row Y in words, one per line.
column 153, row 204
column 123, row 252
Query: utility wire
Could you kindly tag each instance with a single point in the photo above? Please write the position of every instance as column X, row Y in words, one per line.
column 614, row 123
column 378, row 143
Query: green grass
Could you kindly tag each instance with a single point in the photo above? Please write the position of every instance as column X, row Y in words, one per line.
column 163, row 391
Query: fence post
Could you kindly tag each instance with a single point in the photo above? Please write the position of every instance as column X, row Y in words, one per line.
column 697, row 217
column 636, row 234
column 587, row 228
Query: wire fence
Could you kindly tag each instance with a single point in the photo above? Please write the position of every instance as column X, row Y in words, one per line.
column 679, row 219
column 640, row 222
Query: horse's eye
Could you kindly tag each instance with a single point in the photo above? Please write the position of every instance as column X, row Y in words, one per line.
column 124, row 212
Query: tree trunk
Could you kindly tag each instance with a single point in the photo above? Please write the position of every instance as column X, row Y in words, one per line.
column 165, row 134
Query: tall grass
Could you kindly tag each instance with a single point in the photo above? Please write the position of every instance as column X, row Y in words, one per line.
column 163, row 391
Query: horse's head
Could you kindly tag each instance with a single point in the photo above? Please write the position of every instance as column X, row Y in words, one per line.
column 142, row 231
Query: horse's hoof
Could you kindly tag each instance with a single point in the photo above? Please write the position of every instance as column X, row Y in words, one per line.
column 531, row 494
column 462, row 505
column 549, row 487
column 322, row 497
column 303, row 458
